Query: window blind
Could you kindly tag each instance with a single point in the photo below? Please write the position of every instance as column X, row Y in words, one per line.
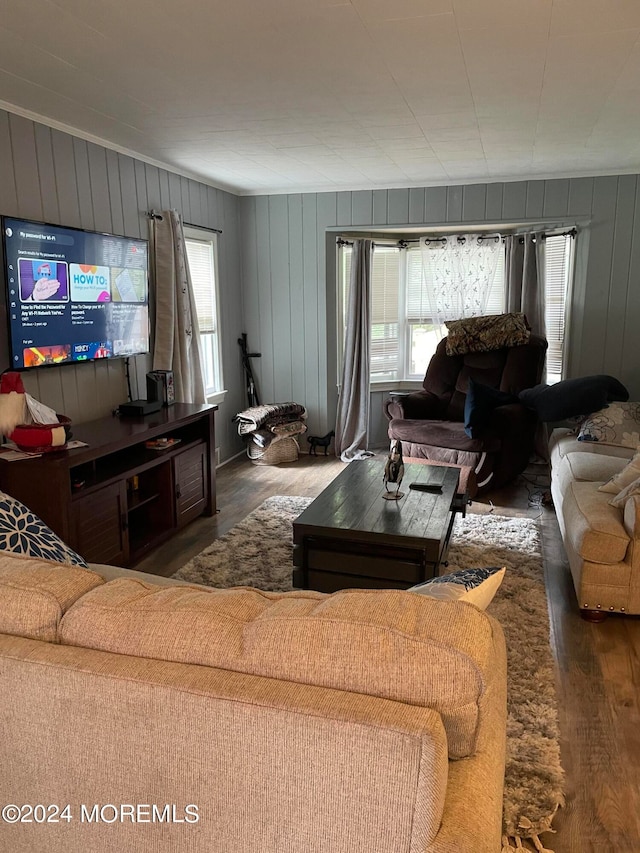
column 201, row 266
column 557, row 255
column 385, row 287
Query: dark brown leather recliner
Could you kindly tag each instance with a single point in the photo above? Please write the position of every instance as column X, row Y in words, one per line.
column 430, row 423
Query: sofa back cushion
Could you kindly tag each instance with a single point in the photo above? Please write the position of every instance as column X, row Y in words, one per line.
column 384, row 643
column 36, row 593
column 271, row 766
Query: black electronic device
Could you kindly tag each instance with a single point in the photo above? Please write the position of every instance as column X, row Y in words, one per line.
column 160, row 387
column 73, row 295
column 139, row 408
column 426, row 487
column 154, row 388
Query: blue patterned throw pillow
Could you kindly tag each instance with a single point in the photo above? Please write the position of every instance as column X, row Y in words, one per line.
column 477, row 586
column 22, row 532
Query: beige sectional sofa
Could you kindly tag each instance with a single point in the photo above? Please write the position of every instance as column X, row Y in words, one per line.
column 602, row 542
column 287, row 722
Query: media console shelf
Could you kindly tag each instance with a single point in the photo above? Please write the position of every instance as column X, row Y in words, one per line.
column 116, row 499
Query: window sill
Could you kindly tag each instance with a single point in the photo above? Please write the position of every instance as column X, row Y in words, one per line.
column 216, row 398
column 403, row 385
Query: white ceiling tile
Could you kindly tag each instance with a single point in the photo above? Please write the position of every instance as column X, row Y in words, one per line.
column 528, row 15
column 425, row 174
column 383, row 10
column 453, row 134
column 452, row 152
column 593, row 16
column 292, row 140
column 404, row 145
column 400, row 131
column 335, row 94
column 380, row 119
column 438, row 121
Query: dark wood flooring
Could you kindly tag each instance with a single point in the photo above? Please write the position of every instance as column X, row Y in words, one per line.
column 598, row 665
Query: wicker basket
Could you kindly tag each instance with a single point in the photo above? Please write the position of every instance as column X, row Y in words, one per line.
column 281, row 450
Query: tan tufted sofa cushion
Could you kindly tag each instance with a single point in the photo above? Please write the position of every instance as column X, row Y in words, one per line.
column 36, row 593
column 386, row 643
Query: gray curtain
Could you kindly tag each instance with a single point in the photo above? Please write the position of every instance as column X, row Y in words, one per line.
column 352, row 423
column 525, row 278
column 525, row 292
column 177, row 339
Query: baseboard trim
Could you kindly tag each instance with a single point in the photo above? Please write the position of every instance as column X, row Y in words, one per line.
column 230, row 459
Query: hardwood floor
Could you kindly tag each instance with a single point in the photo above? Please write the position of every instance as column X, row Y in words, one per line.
column 598, row 666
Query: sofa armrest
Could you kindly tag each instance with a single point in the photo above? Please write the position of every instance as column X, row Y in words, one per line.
column 631, row 521
column 421, row 405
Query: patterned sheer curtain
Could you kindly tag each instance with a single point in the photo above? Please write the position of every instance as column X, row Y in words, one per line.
column 457, row 274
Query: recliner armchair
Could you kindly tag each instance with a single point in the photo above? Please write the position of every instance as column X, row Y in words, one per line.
column 430, row 423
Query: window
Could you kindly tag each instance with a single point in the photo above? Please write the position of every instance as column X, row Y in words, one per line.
column 404, row 336
column 201, row 254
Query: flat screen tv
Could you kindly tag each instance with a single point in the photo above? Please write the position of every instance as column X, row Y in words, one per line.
column 73, row 295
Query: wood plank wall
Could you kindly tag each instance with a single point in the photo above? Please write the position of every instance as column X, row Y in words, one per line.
column 51, row 176
column 289, row 274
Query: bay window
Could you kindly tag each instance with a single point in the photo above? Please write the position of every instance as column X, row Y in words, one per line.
column 405, row 330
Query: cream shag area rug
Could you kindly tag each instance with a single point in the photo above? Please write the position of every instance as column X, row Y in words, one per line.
column 258, row 552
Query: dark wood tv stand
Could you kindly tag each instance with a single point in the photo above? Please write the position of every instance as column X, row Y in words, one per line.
column 115, row 500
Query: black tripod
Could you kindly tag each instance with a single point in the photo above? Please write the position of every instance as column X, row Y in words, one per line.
column 252, row 392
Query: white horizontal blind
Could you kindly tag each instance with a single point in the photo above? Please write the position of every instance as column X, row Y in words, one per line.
column 346, row 253
column 417, row 300
column 385, row 284
column 497, row 300
column 201, row 266
column 385, row 294
column 558, row 258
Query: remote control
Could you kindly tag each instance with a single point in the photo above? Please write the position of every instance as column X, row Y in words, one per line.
column 425, row 487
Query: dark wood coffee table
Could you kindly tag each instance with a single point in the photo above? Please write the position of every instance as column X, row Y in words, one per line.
column 351, row 537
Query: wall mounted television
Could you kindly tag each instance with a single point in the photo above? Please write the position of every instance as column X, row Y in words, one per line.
column 73, row 295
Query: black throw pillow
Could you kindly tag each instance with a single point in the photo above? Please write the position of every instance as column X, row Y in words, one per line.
column 480, row 402
column 573, row 397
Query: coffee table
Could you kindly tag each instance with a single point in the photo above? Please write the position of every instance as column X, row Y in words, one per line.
column 351, row 537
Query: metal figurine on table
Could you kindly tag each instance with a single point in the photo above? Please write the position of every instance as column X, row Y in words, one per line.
column 393, row 471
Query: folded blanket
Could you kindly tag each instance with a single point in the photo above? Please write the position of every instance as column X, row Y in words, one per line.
column 263, row 437
column 255, row 417
column 284, row 429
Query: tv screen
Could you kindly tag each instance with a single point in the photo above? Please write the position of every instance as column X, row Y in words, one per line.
column 73, row 295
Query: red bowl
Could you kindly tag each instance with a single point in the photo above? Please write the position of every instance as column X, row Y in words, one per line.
column 36, row 438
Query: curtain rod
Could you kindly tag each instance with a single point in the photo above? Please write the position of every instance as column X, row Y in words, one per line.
column 402, row 244
column 153, row 214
